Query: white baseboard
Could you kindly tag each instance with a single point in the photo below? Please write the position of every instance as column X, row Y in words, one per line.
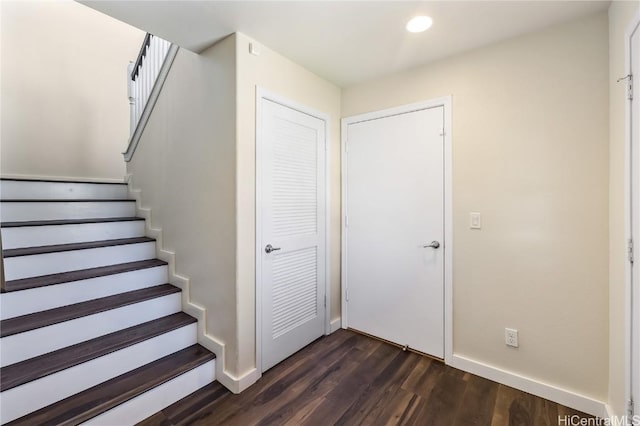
column 212, row 343
column 334, row 325
column 553, row 393
column 608, row 412
column 61, row 178
column 243, row 382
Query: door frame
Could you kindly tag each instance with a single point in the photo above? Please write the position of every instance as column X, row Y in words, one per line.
column 633, row 303
column 447, row 245
column 262, row 95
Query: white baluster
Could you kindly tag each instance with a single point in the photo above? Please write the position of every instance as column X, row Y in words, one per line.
column 160, row 58
column 154, row 73
column 140, row 87
column 150, row 59
column 147, row 73
column 149, row 70
column 143, row 80
column 130, row 90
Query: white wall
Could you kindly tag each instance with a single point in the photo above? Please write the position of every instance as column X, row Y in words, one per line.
column 530, row 152
column 185, row 167
column 277, row 74
column 620, row 15
column 195, row 167
column 65, row 111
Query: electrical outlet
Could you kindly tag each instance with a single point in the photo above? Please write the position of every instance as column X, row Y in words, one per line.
column 511, row 337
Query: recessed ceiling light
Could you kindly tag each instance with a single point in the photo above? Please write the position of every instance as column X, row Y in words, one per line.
column 419, row 24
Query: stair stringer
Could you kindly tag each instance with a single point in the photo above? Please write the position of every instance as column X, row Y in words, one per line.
column 212, row 343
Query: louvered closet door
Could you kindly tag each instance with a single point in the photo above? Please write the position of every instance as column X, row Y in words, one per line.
column 292, row 181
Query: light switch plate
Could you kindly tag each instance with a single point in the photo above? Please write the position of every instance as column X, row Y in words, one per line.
column 475, row 220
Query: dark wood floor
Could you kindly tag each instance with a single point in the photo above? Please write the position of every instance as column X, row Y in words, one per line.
column 350, row 379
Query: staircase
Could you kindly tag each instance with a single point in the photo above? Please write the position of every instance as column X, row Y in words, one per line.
column 90, row 331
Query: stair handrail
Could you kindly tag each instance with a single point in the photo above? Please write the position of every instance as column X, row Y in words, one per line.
column 145, row 78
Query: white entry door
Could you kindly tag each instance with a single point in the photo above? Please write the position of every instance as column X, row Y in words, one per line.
column 395, row 228
column 291, row 229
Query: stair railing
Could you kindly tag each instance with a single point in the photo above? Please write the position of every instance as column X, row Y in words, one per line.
column 145, row 79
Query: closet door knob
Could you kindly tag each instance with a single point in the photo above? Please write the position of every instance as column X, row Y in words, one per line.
column 269, row 248
column 434, row 244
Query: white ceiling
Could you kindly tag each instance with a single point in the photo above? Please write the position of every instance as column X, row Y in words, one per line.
column 346, row 42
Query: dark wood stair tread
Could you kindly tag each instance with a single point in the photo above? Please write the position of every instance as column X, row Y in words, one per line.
column 81, row 274
column 105, row 396
column 28, row 251
column 193, row 408
column 35, row 368
column 158, row 419
column 68, row 221
column 62, row 181
column 36, row 320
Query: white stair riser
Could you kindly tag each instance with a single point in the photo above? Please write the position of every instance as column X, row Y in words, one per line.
column 29, row 344
column 25, row 190
column 36, row 236
column 37, row 394
column 25, row 302
column 154, row 400
column 52, row 263
column 58, row 210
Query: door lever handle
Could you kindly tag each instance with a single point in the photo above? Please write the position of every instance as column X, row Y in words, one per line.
column 269, row 248
column 434, row 244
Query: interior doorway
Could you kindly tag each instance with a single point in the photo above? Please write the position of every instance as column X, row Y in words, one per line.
column 396, row 235
column 291, row 228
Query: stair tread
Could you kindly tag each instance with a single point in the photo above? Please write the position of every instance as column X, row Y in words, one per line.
column 188, row 411
column 81, row 274
column 49, row 317
column 35, row 368
column 105, row 396
column 68, row 221
column 62, row 181
column 28, row 251
column 67, row 200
